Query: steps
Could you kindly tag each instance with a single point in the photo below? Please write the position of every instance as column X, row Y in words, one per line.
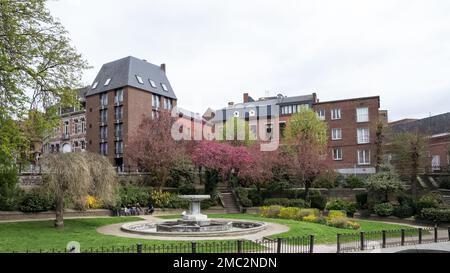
column 229, row 202
column 446, row 199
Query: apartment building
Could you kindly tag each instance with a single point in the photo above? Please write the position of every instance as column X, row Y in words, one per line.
column 70, row 136
column 437, row 131
column 352, row 125
column 123, row 93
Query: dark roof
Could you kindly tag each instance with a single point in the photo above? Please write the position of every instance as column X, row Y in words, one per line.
column 123, row 73
column 352, row 99
column 81, row 92
column 432, row 125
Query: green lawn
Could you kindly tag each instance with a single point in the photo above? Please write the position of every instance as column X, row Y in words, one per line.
column 323, row 234
column 36, row 235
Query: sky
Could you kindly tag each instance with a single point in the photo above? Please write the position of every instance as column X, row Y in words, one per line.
column 215, row 50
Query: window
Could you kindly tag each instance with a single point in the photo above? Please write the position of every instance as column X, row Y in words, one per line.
column 119, row 147
column 152, row 83
column 167, row 104
column 104, row 99
column 155, row 114
column 119, row 96
column 336, row 113
column 104, row 148
column 83, row 125
column 94, row 85
column 78, row 126
column 118, row 112
column 66, row 128
column 435, row 162
column 164, row 87
column 156, row 101
column 363, row 135
column 103, row 132
column 139, row 79
column 321, row 114
column 363, row 157
column 118, row 130
column 336, row 133
column 362, row 114
column 83, row 145
column 107, row 81
column 337, row 154
column 103, row 116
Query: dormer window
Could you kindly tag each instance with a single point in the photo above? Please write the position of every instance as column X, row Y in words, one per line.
column 107, row 81
column 164, row 87
column 94, row 85
column 139, row 79
column 152, row 83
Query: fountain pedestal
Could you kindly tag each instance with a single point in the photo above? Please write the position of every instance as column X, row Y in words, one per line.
column 194, row 214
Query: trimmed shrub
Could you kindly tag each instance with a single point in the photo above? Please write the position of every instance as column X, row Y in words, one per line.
column 435, row 215
column 36, row 201
column 131, row 195
column 428, row 201
column 336, row 214
column 403, row 211
column 242, row 195
column 325, row 181
column 292, row 213
column 317, row 200
column 310, row 218
column 270, row 211
column 341, row 204
column 309, row 212
column 256, row 197
column 384, row 209
column 353, row 181
column 361, row 200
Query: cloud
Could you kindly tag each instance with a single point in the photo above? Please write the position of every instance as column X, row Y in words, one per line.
column 216, row 50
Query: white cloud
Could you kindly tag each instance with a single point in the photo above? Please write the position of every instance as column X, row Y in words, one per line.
column 216, row 50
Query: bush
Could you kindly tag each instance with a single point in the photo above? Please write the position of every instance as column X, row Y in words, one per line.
column 309, row 212
column 444, row 182
column 93, row 203
column 164, row 199
column 403, row 211
column 186, row 188
column 338, row 219
column 310, row 218
column 341, row 204
column 361, row 200
column 131, row 195
column 384, row 209
column 36, row 201
column 292, row 213
column 435, row 215
column 242, row 195
column 285, row 202
column 338, row 222
column 10, row 194
column 353, row 181
column 428, row 201
column 255, row 196
column 325, row 181
column 336, row 214
column 317, row 200
column 270, row 211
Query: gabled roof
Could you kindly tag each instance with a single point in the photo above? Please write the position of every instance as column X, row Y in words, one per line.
column 432, row 125
column 123, row 73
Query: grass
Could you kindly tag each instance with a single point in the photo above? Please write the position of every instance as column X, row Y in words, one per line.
column 323, row 234
column 36, row 235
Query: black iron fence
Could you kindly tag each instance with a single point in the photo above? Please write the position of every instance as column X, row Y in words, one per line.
column 361, row 241
column 265, row 245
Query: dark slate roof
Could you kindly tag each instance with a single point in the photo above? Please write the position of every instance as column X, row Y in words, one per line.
column 123, row 73
column 434, row 125
column 81, row 92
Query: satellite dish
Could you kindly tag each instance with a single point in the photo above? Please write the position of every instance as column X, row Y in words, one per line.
column 73, row 247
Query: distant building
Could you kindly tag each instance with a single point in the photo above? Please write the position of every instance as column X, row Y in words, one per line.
column 437, row 130
column 123, row 93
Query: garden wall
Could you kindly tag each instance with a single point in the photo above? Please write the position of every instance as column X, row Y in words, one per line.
column 18, row 215
column 348, row 194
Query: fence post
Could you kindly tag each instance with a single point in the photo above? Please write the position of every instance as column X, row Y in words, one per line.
column 279, row 245
column 239, row 246
column 402, row 243
column 338, row 242
column 139, row 248
column 383, row 234
column 311, row 243
column 194, row 247
column 362, row 240
column 448, row 232
column 420, row 236
column 435, row 233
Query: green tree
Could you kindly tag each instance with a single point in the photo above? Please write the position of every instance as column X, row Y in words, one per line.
column 409, row 157
column 306, row 127
column 382, row 184
column 379, row 142
column 241, row 135
column 39, row 68
column 9, row 190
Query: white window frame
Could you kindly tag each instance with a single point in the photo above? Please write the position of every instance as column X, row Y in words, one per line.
column 337, row 156
column 364, row 155
column 321, row 113
column 164, row 87
column 335, row 135
column 107, row 82
column 94, row 85
column 118, row 98
column 362, row 117
column 156, row 101
column 139, row 79
column 152, row 83
column 336, row 113
column 361, row 137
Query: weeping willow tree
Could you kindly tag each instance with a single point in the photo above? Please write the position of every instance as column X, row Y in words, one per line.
column 74, row 176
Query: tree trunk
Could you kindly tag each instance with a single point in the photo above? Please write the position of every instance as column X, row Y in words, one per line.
column 59, row 221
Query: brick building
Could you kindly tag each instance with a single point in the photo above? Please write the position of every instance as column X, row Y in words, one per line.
column 122, row 94
column 437, row 131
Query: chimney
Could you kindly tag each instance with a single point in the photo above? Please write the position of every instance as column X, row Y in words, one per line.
column 230, row 104
column 315, row 99
column 163, row 67
column 245, row 99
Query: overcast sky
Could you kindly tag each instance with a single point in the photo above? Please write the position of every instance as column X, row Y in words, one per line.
column 216, row 50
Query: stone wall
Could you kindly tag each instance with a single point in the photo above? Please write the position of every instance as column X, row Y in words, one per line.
column 18, row 215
